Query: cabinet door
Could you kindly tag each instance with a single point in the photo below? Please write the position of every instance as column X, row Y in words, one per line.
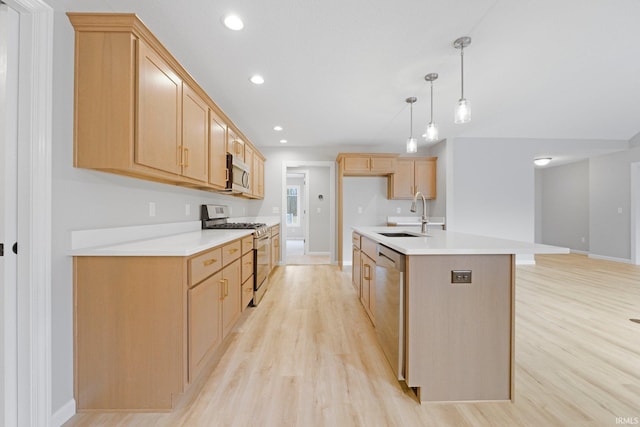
column 425, row 179
column 357, row 164
column 355, row 270
column 235, row 145
column 401, row 183
column 159, row 113
column 217, row 151
column 195, row 135
column 205, row 333
column 383, row 164
column 248, row 159
column 258, row 176
column 367, row 296
column 232, row 292
column 275, row 250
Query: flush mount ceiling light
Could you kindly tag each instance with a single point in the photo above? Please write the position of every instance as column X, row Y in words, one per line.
column 463, row 109
column 283, row 141
column 431, row 134
column 277, row 128
column 257, row 79
column 542, row 161
column 412, row 144
column 233, row 22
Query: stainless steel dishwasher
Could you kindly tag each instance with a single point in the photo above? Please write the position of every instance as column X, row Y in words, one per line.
column 389, row 311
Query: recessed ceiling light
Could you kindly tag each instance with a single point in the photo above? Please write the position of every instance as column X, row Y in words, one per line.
column 283, row 141
column 257, row 79
column 277, row 128
column 233, row 22
column 542, row 161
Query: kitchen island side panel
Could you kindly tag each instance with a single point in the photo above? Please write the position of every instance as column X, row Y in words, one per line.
column 460, row 336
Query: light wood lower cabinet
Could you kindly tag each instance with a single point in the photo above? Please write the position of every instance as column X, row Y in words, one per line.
column 205, row 312
column 368, row 257
column 275, row 246
column 145, row 327
column 356, row 275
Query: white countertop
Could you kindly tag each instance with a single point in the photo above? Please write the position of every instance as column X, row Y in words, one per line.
column 183, row 244
column 174, row 239
column 441, row 242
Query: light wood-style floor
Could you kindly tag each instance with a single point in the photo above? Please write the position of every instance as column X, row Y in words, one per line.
column 308, row 356
column 296, row 255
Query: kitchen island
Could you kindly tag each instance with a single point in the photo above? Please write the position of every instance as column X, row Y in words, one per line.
column 456, row 309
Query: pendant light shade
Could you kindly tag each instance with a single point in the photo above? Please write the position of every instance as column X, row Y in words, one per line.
column 431, row 133
column 412, row 143
column 463, row 109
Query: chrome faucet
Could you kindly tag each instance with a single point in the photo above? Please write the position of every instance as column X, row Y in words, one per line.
column 424, row 221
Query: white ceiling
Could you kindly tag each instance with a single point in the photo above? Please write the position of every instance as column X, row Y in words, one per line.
column 338, row 71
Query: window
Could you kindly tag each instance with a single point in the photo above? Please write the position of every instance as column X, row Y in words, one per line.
column 293, row 206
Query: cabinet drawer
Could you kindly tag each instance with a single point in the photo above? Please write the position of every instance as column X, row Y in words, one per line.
column 204, row 265
column 369, row 248
column 231, row 252
column 356, row 240
column 247, row 293
column 247, row 266
column 275, row 230
column 247, row 244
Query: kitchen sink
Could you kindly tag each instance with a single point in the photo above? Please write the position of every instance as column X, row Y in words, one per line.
column 402, row 234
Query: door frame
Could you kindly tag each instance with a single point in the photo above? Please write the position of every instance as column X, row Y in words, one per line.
column 635, row 212
column 33, row 299
column 332, row 204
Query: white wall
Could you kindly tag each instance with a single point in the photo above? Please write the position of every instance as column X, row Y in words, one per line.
column 564, row 205
column 610, row 204
column 491, row 188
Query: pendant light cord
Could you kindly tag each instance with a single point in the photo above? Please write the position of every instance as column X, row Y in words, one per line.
column 431, row 101
column 462, row 71
column 411, row 122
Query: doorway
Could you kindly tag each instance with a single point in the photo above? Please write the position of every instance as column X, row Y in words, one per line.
column 308, row 212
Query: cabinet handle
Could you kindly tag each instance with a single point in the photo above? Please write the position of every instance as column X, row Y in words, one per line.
column 226, row 288
column 233, row 250
column 209, row 261
column 368, row 163
column 222, row 289
column 186, row 157
column 179, row 156
column 367, row 274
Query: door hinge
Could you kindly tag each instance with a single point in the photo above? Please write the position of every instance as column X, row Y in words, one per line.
column 1, row 249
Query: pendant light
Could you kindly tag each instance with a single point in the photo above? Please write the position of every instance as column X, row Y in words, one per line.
column 412, row 144
column 463, row 109
column 431, row 133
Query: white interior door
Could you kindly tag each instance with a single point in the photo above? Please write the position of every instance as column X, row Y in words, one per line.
column 9, row 33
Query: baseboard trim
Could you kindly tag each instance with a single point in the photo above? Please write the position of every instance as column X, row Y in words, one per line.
column 609, row 258
column 64, row 414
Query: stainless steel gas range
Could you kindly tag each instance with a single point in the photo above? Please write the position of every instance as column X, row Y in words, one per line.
column 217, row 217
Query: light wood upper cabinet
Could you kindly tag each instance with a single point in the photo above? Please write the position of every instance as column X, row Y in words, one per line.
column 195, row 136
column 258, row 176
column 413, row 175
column 235, row 145
column 367, row 164
column 159, row 113
column 217, row 151
column 139, row 113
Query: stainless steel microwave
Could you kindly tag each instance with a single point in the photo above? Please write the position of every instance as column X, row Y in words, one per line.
column 239, row 175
